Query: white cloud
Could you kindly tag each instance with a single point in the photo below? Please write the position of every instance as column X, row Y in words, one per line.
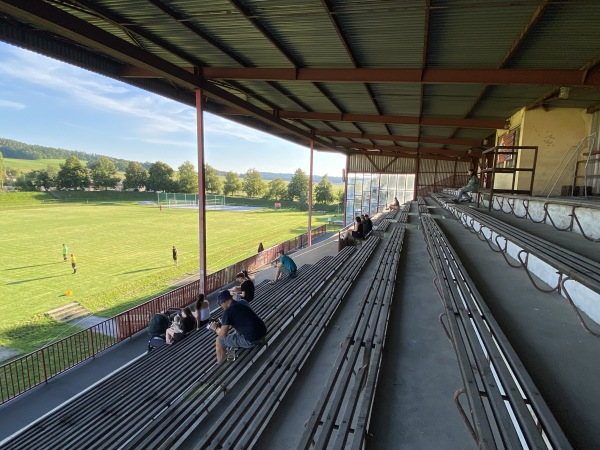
column 8, row 104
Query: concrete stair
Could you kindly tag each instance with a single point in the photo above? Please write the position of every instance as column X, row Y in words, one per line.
column 69, row 312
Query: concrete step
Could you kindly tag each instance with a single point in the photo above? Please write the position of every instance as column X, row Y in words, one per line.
column 66, row 313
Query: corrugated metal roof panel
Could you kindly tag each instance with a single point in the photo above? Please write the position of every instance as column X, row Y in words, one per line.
column 383, row 34
column 474, row 34
column 399, row 99
column 551, row 42
column 443, row 99
column 362, row 164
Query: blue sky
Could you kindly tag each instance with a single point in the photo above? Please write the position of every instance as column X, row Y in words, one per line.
column 47, row 102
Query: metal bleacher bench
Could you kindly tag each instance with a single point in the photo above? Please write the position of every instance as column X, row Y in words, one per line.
column 118, row 411
column 505, row 408
column 568, row 265
column 340, row 419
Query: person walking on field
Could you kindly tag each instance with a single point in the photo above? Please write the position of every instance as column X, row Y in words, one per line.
column 175, row 256
column 74, row 262
column 65, row 250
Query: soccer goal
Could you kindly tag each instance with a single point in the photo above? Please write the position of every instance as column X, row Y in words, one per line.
column 180, row 200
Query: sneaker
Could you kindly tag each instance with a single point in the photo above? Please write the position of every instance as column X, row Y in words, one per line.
column 231, row 354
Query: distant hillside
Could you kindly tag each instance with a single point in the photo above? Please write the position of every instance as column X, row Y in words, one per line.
column 21, row 150
column 267, row 176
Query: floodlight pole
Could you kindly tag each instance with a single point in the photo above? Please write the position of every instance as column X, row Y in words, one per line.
column 310, row 191
column 201, row 194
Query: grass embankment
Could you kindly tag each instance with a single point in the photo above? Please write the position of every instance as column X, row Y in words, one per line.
column 123, row 255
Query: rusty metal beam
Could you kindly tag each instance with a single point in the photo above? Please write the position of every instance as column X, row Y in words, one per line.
column 394, row 137
column 410, row 155
column 564, row 77
column 398, row 148
column 372, row 118
column 429, row 121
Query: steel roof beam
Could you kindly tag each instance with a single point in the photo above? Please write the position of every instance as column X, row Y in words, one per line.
column 398, row 148
column 394, row 137
column 410, row 155
column 564, row 77
column 407, row 120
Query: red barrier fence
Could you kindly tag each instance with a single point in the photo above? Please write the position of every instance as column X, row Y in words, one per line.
column 24, row 373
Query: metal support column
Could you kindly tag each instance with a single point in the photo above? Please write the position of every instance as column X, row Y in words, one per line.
column 201, row 190
column 310, row 192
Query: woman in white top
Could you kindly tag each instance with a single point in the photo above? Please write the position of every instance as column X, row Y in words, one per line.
column 201, row 311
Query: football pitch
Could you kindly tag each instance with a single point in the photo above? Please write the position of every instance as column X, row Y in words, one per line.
column 123, row 256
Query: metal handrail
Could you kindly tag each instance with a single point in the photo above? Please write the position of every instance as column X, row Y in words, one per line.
column 26, row 372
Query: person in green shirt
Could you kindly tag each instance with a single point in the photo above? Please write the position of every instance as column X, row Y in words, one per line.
column 65, row 250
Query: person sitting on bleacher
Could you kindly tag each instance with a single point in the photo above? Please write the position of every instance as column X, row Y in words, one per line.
column 358, row 232
column 368, row 225
column 250, row 330
column 175, row 332
column 472, row 186
column 246, row 288
column 285, row 266
column 201, row 311
column 395, row 204
column 158, row 324
column 188, row 321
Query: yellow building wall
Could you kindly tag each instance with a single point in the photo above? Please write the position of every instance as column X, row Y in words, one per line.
column 555, row 132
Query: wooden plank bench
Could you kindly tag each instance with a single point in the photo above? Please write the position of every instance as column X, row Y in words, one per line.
column 340, row 418
column 241, row 426
column 505, row 407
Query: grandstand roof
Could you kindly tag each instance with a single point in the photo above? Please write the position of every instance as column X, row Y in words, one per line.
column 397, row 77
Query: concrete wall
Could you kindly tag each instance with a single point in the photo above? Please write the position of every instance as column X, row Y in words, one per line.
column 555, row 132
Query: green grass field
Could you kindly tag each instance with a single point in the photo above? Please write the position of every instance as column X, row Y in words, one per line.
column 123, row 256
column 27, row 165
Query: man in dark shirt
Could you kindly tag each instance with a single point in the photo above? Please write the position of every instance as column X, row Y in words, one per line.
column 250, row 330
column 368, row 225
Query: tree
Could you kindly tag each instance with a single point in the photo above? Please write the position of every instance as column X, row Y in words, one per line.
column 135, row 176
column 47, row 178
column 73, row 175
column 160, row 177
column 324, row 191
column 27, row 181
column 104, row 172
column 253, row 185
column 188, row 178
column 212, row 183
column 232, row 184
column 277, row 189
column 2, row 172
column 340, row 196
column 298, row 186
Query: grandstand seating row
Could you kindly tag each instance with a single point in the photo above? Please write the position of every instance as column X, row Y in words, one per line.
column 340, row 419
column 505, row 409
column 137, row 397
column 560, row 268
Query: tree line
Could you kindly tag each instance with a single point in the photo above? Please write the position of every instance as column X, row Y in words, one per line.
column 21, row 150
column 160, row 177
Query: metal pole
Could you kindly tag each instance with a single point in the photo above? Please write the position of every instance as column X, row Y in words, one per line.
column 201, row 187
column 346, row 187
column 310, row 191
